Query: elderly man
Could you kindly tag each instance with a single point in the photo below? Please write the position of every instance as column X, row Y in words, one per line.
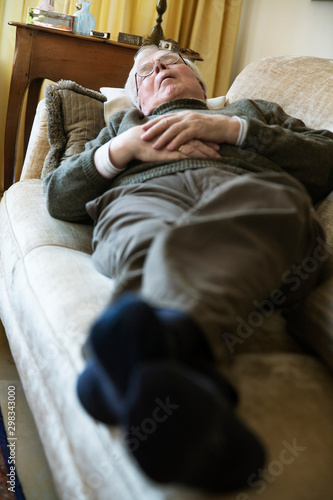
column 202, row 215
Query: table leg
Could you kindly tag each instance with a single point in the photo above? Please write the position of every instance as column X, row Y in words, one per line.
column 19, row 83
column 12, row 125
column 32, row 101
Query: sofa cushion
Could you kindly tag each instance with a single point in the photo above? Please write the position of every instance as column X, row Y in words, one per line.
column 75, row 116
column 38, row 146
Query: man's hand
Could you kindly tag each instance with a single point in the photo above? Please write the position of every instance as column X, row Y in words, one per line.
column 130, row 146
column 177, row 129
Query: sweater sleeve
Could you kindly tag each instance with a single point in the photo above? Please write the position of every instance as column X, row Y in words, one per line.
column 75, row 182
column 305, row 153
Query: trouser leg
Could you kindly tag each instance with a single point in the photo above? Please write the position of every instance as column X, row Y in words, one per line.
column 252, row 239
column 128, row 220
column 133, row 361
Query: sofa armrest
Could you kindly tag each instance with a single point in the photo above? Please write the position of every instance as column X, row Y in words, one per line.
column 38, row 145
column 311, row 322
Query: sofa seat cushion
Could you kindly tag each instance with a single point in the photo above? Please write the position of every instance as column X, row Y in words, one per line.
column 50, row 294
column 48, row 261
column 287, row 399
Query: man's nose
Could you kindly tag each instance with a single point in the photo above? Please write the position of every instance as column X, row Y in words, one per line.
column 158, row 66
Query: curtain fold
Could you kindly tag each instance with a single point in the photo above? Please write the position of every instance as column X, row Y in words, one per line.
column 208, row 27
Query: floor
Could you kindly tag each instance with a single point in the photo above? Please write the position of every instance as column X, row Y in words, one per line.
column 31, row 464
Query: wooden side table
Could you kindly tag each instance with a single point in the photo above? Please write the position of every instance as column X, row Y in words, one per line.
column 43, row 53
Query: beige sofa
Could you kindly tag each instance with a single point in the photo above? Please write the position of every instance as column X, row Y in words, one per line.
column 50, row 293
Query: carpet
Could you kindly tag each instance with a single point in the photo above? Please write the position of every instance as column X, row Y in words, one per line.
column 10, row 486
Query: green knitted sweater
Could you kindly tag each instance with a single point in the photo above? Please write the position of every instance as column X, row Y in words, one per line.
column 274, row 142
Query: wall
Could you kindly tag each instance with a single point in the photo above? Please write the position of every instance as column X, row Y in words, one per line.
column 283, row 27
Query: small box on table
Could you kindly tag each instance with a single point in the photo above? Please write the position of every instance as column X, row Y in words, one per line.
column 50, row 19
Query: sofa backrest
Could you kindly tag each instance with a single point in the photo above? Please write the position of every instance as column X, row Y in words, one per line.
column 303, row 86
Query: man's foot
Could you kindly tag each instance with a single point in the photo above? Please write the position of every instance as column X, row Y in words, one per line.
column 130, row 330
column 137, row 371
column 181, row 430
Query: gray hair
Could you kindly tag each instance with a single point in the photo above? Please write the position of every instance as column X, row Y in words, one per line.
column 145, row 51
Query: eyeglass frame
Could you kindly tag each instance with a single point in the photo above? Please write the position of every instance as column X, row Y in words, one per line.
column 152, row 71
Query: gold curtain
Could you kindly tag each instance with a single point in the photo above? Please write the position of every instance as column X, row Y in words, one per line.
column 208, row 27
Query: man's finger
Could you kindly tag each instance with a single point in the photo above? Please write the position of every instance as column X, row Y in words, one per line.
column 199, row 149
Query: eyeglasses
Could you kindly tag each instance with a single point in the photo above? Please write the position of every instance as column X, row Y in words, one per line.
column 168, row 59
column 148, row 68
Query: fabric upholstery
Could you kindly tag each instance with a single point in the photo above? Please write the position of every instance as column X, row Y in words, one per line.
column 50, row 294
column 38, row 146
column 303, row 86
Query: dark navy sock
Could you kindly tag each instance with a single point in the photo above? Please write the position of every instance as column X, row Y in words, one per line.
column 184, row 337
column 131, row 331
column 181, row 430
column 145, row 362
column 98, row 394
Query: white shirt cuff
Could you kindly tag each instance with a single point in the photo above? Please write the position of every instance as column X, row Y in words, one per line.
column 103, row 163
column 242, row 130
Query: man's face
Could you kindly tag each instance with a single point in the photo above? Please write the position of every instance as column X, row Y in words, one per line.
column 166, row 83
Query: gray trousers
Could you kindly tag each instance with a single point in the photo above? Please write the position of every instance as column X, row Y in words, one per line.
column 228, row 249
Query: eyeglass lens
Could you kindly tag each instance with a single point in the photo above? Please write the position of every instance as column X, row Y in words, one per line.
column 148, row 68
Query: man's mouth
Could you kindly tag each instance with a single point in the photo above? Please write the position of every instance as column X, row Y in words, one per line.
column 167, row 77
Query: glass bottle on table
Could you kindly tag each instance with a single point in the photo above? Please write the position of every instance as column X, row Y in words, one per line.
column 84, row 20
